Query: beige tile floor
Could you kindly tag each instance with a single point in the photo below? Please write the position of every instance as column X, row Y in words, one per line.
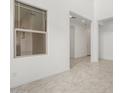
column 84, row 77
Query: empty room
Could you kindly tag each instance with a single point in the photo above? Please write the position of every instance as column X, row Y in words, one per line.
column 61, row 46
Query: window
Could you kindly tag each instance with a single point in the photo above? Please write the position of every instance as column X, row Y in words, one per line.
column 30, row 30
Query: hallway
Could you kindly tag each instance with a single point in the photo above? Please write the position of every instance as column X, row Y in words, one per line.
column 84, row 77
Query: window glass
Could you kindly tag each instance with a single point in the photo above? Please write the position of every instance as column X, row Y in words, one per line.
column 30, row 43
column 30, row 30
column 28, row 17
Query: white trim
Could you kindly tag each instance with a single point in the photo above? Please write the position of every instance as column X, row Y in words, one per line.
column 18, row 17
column 29, row 30
column 14, row 44
column 38, row 7
column 32, row 55
column 28, row 7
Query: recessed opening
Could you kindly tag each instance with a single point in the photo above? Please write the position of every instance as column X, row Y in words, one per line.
column 80, row 39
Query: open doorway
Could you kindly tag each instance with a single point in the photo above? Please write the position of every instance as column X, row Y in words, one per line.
column 80, row 29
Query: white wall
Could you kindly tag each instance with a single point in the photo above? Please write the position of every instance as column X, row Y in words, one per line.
column 72, row 41
column 103, row 9
column 27, row 69
column 80, row 46
column 80, row 41
column 88, row 29
column 94, row 41
column 106, row 41
column 84, row 8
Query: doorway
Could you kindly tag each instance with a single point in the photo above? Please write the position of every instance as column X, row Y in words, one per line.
column 80, row 48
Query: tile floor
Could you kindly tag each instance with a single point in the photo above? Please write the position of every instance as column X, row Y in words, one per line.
column 84, row 77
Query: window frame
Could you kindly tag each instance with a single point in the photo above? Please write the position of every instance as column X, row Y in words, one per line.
column 30, row 31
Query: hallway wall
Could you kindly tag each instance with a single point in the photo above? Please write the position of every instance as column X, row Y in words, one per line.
column 106, row 41
column 72, row 41
column 80, row 38
column 88, row 29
